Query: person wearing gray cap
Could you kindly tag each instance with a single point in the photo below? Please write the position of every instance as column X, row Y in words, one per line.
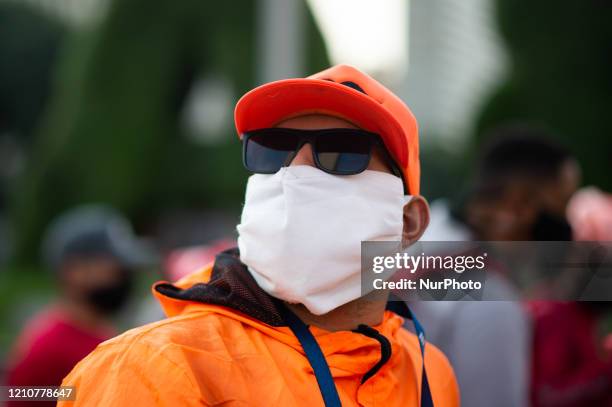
column 92, row 253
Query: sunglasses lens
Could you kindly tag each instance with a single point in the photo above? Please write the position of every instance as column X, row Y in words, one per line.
column 343, row 153
column 267, row 152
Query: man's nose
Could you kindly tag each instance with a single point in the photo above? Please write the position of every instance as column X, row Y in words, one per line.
column 303, row 156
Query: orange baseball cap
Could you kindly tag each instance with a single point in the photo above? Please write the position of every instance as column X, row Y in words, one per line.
column 345, row 92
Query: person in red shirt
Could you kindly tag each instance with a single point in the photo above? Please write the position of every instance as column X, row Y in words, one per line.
column 569, row 369
column 51, row 344
column 570, row 365
column 92, row 252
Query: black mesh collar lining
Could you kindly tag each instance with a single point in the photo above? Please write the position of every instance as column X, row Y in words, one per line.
column 231, row 285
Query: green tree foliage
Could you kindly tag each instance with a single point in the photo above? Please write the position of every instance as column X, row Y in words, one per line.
column 29, row 42
column 112, row 132
column 561, row 76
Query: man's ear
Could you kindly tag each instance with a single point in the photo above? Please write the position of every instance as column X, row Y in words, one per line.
column 416, row 219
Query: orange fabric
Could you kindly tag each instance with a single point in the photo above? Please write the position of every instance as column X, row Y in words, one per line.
column 210, row 355
column 379, row 111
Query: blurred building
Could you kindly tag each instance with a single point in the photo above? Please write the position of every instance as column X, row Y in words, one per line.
column 442, row 57
column 456, row 59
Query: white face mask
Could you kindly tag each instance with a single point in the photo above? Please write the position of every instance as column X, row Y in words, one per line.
column 301, row 231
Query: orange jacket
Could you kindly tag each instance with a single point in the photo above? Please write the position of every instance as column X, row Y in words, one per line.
column 205, row 354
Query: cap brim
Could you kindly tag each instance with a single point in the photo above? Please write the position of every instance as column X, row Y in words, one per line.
column 269, row 104
column 136, row 254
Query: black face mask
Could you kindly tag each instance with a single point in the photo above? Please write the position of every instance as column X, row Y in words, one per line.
column 598, row 307
column 549, row 227
column 109, row 299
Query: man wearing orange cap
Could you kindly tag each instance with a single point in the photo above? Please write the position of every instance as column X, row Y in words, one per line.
column 281, row 320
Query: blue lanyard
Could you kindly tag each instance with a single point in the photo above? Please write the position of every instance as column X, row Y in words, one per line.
column 426, row 399
column 321, row 368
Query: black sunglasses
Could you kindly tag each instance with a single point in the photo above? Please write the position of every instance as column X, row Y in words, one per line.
column 335, row 151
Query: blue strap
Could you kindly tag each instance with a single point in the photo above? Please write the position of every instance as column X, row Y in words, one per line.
column 321, row 368
column 315, row 357
column 402, row 309
column 426, row 400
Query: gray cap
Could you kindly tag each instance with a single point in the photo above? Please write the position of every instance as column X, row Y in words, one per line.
column 93, row 230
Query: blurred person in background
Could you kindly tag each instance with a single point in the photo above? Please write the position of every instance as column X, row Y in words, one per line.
column 521, row 187
column 92, row 253
column 177, row 264
column 589, row 212
column 522, row 184
column 571, row 365
column 281, row 319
